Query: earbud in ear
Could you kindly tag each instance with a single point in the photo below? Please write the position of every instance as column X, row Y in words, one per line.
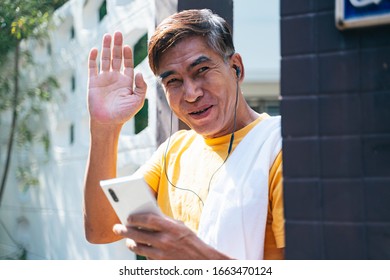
column 238, row 70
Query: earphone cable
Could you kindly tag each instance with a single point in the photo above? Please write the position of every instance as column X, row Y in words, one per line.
column 231, row 138
column 165, row 168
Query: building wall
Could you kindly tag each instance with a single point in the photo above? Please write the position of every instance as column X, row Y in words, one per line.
column 335, row 88
column 47, row 220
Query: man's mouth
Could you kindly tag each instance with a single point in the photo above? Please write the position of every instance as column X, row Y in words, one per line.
column 200, row 111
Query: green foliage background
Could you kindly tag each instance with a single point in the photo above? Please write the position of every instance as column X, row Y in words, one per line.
column 21, row 20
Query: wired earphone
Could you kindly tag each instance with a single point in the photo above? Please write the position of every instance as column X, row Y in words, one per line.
column 238, row 74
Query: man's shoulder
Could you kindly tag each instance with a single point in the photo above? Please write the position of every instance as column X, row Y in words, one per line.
column 184, row 134
column 267, row 122
column 182, row 137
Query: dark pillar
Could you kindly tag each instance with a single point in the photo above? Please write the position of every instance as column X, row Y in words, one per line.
column 335, row 88
column 223, row 8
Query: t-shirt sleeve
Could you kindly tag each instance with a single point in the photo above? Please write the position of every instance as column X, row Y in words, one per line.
column 276, row 201
column 153, row 168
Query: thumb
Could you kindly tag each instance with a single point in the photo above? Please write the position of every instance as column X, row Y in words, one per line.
column 119, row 229
column 140, row 84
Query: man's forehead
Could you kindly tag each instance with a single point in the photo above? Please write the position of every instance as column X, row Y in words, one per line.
column 186, row 51
column 200, row 59
column 192, row 63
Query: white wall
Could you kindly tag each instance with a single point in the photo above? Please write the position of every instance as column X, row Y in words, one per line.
column 48, row 219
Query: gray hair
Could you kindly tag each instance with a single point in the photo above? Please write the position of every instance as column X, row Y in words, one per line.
column 188, row 23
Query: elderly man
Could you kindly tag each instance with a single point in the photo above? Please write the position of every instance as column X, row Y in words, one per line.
column 218, row 184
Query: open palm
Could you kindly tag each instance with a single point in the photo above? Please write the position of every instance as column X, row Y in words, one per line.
column 112, row 97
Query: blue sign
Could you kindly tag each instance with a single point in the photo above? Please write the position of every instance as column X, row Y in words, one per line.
column 360, row 13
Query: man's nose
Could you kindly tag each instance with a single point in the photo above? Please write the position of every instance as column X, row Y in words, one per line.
column 192, row 91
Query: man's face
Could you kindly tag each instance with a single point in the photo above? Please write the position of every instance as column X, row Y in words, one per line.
column 200, row 87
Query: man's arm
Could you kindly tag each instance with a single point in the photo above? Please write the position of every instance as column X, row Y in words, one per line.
column 99, row 217
column 112, row 100
column 277, row 208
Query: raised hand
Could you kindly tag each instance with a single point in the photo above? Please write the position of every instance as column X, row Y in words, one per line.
column 114, row 95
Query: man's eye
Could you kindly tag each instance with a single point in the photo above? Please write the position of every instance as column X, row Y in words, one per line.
column 202, row 69
column 173, row 82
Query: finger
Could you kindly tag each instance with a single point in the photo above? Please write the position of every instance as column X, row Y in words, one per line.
column 105, row 60
column 92, row 64
column 151, row 222
column 117, row 52
column 141, row 249
column 128, row 61
column 137, row 235
column 142, row 236
column 140, row 85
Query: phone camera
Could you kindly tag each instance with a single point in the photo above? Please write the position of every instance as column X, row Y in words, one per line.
column 113, row 195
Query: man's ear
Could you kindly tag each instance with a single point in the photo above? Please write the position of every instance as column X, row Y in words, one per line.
column 237, row 65
column 238, row 71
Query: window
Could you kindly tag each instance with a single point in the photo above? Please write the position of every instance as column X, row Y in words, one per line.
column 102, row 10
column 71, row 134
column 48, row 48
column 141, row 49
column 73, row 83
column 72, row 32
column 141, row 118
column 272, row 107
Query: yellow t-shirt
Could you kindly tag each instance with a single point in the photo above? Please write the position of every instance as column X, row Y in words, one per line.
column 192, row 165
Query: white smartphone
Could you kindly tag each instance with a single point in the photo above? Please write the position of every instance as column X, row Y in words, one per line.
column 129, row 195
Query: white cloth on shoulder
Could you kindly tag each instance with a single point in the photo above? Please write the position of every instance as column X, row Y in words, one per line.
column 235, row 212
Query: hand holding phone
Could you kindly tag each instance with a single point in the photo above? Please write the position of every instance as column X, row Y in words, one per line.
column 129, row 195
